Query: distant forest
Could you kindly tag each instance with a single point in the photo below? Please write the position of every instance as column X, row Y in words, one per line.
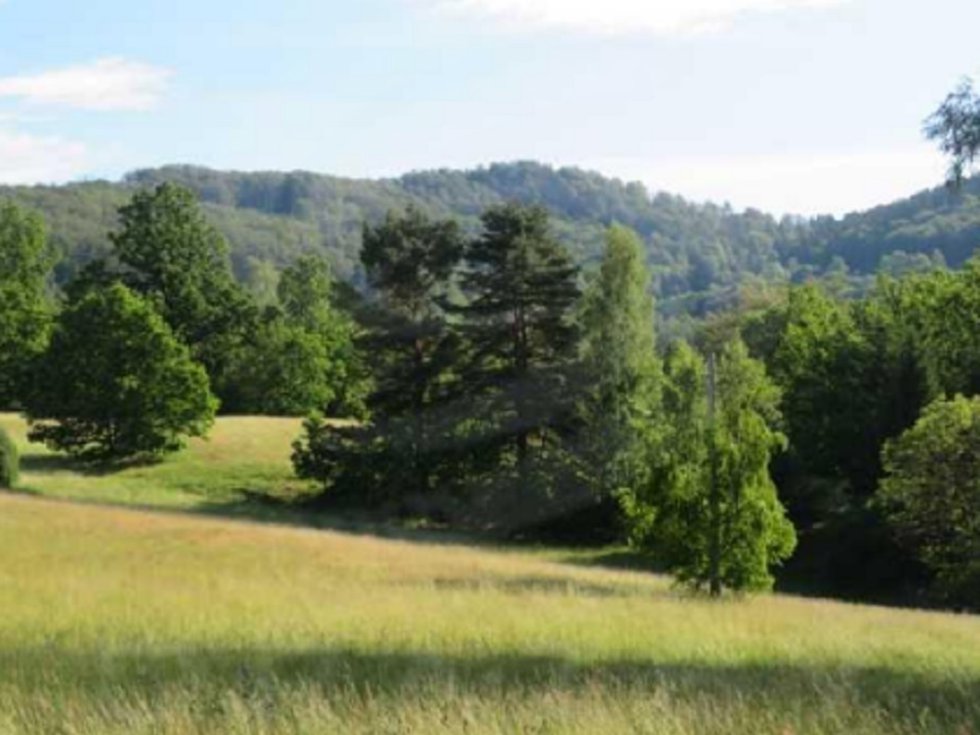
column 699, row 254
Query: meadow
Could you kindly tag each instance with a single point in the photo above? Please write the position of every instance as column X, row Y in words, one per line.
column 126, row 620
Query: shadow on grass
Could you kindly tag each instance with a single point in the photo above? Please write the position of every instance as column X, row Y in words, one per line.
column 263, row 508
column 48, row 463
column 901, row 701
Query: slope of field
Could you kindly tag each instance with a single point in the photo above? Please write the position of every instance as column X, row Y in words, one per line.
column 243, row 457
column 124, row 621
column 117, row 620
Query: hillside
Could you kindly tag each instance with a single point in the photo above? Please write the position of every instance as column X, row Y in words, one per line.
column 118, row 621
column 698, row 251
column 129, row 621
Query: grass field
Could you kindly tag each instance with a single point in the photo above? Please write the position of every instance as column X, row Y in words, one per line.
column 117, row 620
column 243, row 456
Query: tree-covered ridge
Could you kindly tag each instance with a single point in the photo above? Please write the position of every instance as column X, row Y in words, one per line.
column 698, row 253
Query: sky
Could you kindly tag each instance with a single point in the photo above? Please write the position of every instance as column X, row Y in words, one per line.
column 789, row 106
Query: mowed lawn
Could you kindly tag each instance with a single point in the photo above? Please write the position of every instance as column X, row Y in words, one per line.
column 116, row 620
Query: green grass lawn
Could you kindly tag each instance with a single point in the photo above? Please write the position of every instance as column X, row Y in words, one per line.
column 116, row 620
column 244, row 456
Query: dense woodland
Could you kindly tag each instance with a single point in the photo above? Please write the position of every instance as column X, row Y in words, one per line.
column 699, row 254
column 503, row 367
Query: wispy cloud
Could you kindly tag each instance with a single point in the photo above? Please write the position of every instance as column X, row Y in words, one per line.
column 106, row 84
column 619, row 17
column 29, row 159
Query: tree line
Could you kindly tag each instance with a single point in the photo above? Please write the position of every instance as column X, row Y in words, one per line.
column 699, row 254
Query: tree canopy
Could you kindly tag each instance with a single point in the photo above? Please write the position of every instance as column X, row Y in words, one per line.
column 115, row 383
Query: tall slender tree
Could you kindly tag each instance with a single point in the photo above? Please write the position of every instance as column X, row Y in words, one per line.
column 620, row 362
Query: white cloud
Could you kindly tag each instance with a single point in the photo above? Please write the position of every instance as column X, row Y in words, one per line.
column 29, row 159
column 106, row 84
column 793, row 183
column 616, row 17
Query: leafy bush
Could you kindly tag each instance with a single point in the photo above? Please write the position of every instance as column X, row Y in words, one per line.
column 9, row 461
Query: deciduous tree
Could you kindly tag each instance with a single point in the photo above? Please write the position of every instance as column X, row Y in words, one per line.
column 115, row 383
column 24, row 311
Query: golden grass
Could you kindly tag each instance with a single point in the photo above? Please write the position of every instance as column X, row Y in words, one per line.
column 122, row 621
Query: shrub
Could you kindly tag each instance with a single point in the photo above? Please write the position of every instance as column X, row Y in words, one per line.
column 9, row 461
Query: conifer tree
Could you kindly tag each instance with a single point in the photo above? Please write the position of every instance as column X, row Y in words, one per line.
column 409, row 260
column 522, row 290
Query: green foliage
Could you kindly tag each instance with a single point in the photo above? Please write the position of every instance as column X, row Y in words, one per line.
column 620, row 361
column 699, row 254
column 521, row 290
column 956, row 128
column 931, row 494
column 24, row 311
column 115, row 383
column 301, row 357
column 711, row 512
column 171, row 255
column 409, row 260
column 9, row 461
column 826, row 368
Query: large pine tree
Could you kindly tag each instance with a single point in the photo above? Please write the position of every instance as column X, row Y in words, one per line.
column 521, row 289
column 409, row 260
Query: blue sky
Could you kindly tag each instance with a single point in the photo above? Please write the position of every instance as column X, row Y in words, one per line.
column 799, row 106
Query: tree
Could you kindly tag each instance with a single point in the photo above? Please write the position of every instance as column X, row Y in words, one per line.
column 956, row 127
column 301, row 357
column 115, row 383
column 931, row 495
column 710, row 511
column 409, row 260
column 169, row 254
column 620, row 362
column 521, row 287
column 24, row 312
column 826, row 369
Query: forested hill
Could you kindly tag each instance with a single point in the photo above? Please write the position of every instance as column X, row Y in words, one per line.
column 698, row 251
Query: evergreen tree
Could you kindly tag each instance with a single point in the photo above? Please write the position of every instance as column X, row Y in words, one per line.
column 710, row 512
column 24, row 312
column 409, row 260
column 522, row 291
column 115, row 383
column 620, row 362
